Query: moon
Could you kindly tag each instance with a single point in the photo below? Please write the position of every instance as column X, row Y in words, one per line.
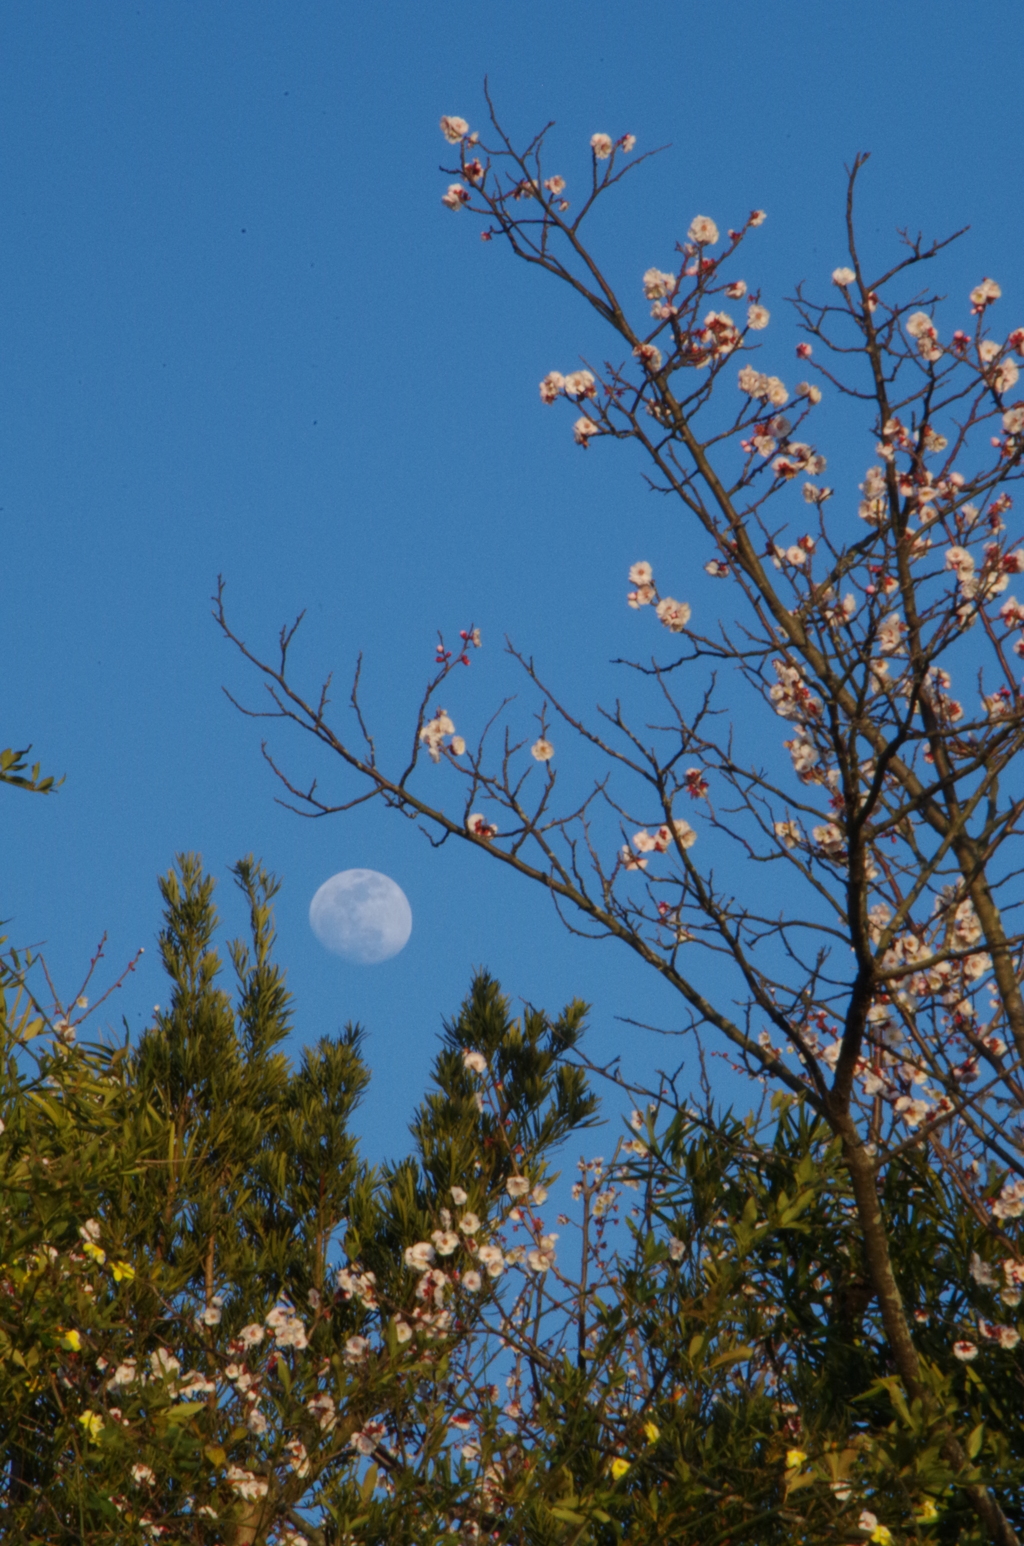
column 361, row 915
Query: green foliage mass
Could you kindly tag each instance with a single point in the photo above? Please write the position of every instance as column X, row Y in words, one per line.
column 219, row 1324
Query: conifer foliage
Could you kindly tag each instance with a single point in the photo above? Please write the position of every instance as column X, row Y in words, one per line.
column 219, row 1325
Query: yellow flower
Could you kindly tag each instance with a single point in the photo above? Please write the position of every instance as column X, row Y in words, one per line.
column 794, row 1459
column 653, row 1432
column 92, row 1422
column 881, row 1535
column 619, row 1468
column 927, row 1512
column 123, row 1271
column 72, row 1341
column 97, row 1252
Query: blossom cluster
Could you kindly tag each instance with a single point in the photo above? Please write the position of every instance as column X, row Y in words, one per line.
column 579, row 385
column 673, row 614
column 434, row 732
column 657, row 842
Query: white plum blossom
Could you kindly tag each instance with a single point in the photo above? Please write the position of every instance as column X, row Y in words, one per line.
column 673, row 614
column 446, row 1241
column 817, row 495
column 657, row 284
column 322, row 1407
column 811, row 393
column 642, row 576
column 454, row 129
column 684, row 834
column 768, row 388
column 830, row 839
column 984, row 294
column 356, row 1349
column 456, row 196
column 469, row 1224
column 288, row 1330
column 649, row 355
column 890, row 634
column 913, row 1112
column 211, row 1315
column 758, row 318
column 517, row 1186
column 298, row 1460
column 703, row 231
column 419, row 1256
column 251, row 1336
column 472, row 1281
column 788, row 832
column 195, row 1384
column 543, row 1255
column 143, row 1475
column 246, row 1484
column 720, row 334
column 1010, row 1202
column 479, row 826
column 601, row 145
column 354, row 1284
column 476, row 1063
column 583, row 429
column 542, row 750
column 804, row 756
column 1004, row 376
column 843, row 277
column 433, row 733
column 163, row 1364
column 872, row 507
column 366, row 1439
column 552, row 386
column 923, row 330
column 790, row 697
column 579, row 383
column 1006, row 1336
column 965, row 1351
column 492, row 1260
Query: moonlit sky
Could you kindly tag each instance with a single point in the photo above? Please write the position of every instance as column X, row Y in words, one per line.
column 240, row 335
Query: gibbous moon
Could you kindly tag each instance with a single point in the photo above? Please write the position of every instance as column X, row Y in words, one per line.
column 361, row 915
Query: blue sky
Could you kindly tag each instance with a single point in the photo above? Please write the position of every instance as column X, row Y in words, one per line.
column 240, row 335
